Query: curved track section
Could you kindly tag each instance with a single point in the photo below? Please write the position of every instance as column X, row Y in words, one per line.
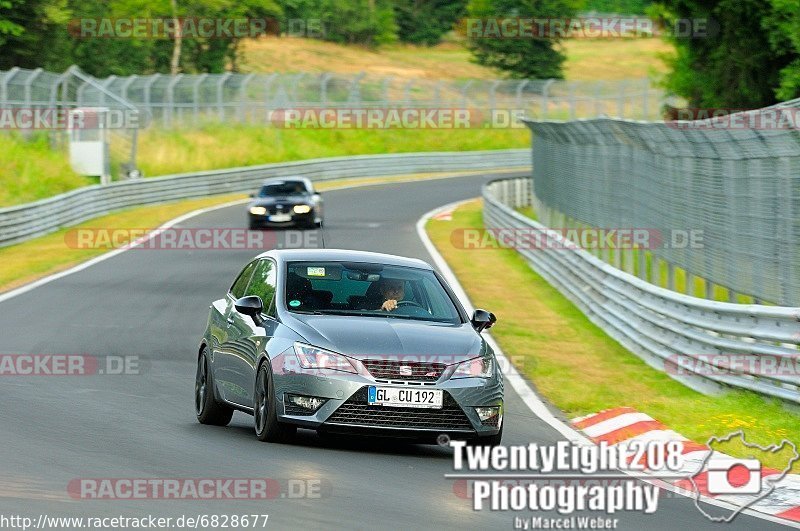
column 153, row 304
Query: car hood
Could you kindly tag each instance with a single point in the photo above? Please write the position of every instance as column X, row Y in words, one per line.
column 390, row 338
column 265, row 201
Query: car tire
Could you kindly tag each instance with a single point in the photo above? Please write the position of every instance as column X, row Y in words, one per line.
column 207, row 408
column 265, row 410
column 252, row 226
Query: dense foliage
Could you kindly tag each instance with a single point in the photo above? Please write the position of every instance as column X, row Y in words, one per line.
column 749, row 58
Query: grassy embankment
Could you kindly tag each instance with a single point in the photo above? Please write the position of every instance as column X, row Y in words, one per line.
column 579, row 368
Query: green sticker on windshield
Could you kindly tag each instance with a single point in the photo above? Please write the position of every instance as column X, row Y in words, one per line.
column 294, row 304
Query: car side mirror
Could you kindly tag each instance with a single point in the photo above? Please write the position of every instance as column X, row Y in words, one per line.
column 482, row 320
column 251, row 305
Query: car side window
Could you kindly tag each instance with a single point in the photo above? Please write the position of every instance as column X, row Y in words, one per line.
column 263, row 284
column 240, row 285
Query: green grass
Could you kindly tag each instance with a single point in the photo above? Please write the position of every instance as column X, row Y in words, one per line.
column 213, row 146
column 579, row 368
column 30, row 170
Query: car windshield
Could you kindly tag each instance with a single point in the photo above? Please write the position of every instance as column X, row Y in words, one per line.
column 367, row 289
column 283, row 188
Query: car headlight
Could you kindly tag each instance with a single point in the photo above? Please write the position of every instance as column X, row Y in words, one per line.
column 258, row 211
column 481, row 367
column 302, row 209
column 311, row 357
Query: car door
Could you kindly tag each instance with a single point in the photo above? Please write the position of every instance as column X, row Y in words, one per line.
column 246, row 338
column 222, row 349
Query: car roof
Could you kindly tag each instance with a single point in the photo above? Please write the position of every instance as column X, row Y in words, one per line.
column 274, row 180
column 343, row 255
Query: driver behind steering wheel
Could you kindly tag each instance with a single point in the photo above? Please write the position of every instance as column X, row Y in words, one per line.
column 392, row 291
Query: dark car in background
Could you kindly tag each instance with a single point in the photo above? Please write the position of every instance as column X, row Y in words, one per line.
column 307, row 338
column 285, row 202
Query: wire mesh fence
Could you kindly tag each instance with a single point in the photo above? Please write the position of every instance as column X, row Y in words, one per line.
column 189, row 99
column 728, row 187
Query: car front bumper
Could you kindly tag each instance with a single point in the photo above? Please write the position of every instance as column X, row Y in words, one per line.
column 295, row 220
column 347, row 411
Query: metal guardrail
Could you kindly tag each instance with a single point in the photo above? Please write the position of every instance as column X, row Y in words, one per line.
column 662, row 327
column 19, row 223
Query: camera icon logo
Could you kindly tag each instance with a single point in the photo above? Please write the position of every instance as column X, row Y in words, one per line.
column 728, row 475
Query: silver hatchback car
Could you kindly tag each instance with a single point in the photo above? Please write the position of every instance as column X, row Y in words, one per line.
column 351, row 342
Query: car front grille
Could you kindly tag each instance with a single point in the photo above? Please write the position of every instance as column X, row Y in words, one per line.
column 356, row 411
column 411, row 370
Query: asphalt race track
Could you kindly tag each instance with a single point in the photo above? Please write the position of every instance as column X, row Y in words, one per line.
column 153, row 304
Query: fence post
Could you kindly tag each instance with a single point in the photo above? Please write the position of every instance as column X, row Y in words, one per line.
column 4, row 86
column 546, row 96
column 196, row 97
column 520, row 87
column 323, row 87
column 243, row 96
column 147, row 86
column 127, row 83
column 354, row 95
column 170, row 103
column 28, row 83
column 220, row 101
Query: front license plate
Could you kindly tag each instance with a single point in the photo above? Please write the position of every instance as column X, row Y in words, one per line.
column 279, row 218
column 402, row 397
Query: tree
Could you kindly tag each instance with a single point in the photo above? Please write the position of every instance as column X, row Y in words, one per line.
column 366, row 22
column 738, row 64
column 783, row 27
column 31, row 32
column 425, row 21
column 522, row 57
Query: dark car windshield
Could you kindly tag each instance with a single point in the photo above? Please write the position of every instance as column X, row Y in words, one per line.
column 366, row 289
column 283, row 188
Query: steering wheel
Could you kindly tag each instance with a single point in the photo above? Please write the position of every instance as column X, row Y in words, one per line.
column 410, row 303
